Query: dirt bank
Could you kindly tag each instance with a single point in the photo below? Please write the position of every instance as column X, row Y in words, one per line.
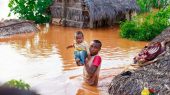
column 155, row 76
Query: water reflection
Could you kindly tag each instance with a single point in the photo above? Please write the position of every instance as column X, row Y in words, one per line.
column 43, row 58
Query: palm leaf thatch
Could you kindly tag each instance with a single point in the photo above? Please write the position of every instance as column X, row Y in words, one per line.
column 155, row 76
column 86, row 12
column 16, row 26
column 109, row 9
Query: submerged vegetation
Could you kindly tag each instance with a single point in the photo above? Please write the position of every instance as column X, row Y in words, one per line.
column 146, row 28
column 36, row 10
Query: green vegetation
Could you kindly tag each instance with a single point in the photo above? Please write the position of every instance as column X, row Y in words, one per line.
column 147, row 5
column 36, row 10
column 144, row 5
column 146, row 28
column 160, row 3
column 18, row 84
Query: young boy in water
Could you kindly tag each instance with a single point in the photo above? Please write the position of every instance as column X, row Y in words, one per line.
column 93, row 63
column 80, row 48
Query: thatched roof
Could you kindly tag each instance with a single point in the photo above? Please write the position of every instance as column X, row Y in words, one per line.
column 16, row 26
column 109, row 9
column 155, row 76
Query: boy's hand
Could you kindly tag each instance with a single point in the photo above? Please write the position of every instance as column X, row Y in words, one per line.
column 86, row 60
column 88, row 56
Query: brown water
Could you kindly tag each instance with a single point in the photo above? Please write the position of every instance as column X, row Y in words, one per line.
column 42, row 60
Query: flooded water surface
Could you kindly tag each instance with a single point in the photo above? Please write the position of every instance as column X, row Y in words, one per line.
column 42, row 60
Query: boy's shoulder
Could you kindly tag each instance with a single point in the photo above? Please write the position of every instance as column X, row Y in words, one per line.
column 97, row 60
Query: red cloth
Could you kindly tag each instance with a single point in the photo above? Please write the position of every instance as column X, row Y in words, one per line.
column 97, row 61
column 149, row 52
column 153, row 54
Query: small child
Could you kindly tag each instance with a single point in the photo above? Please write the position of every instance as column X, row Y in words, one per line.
column 80, row 48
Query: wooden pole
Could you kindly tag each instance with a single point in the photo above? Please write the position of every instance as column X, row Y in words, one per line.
column 64, row 12
column 91, row 23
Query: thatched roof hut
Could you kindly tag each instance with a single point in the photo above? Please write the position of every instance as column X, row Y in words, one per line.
column 16, row 26
column 91, row 13
column 154, row 76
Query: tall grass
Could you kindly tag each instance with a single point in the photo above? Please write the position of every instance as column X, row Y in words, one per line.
column 146, row 28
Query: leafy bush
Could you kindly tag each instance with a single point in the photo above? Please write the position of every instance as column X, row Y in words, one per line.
column 18, row 84
column 144, row 5
column 36, row 10
column 160, row 3
column 130, row 30
column 146, row 28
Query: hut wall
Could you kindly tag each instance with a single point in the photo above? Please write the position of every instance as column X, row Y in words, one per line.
column 56, row 9
column 56, row 12
column 76, row 13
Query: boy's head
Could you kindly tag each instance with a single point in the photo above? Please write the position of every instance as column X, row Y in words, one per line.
column 95, row 47
column 79, row 37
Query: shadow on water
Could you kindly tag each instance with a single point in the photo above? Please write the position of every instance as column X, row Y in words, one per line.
column 42, row 59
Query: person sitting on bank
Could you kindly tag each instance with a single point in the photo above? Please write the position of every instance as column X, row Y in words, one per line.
column 93, row 63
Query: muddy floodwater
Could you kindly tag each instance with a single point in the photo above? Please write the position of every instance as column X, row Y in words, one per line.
column 42, row 60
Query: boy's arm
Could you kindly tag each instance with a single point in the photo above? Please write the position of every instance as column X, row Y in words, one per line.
column 90, row 70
